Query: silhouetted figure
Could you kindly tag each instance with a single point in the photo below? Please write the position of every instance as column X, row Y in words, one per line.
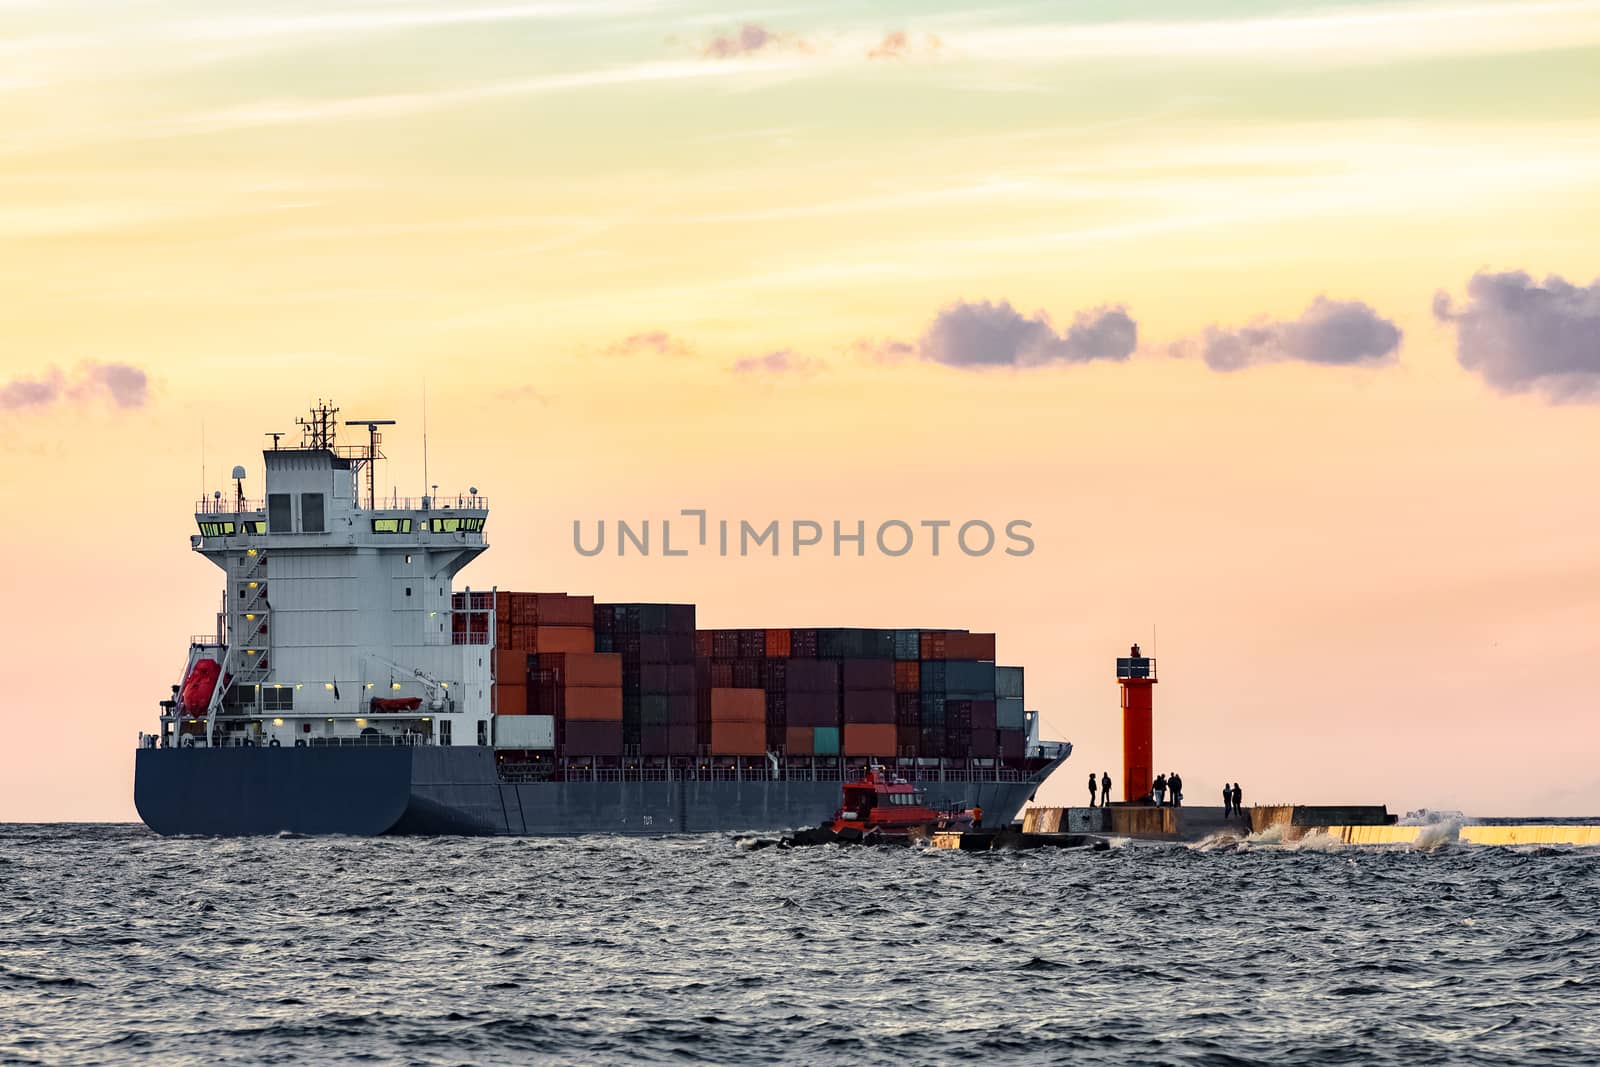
column 1105, row 789
column 1227, row 800
column 1175, row 787
column 1094, row 788
column 1158, row 789
column 1238, row 800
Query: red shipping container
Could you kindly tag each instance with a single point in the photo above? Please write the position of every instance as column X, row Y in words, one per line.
column 778, row 644
column 544, row 639
column 584, row 738
column 721, row 674
column 907, row 741
column 1012, row 744
column 510, row 699
column 592, row 703
column 799, row 741
column 869, row 706
column 738, row 705
column 869, row 739
column 703, row 644
column 738, row 738
column 907, row 676
column 969, row 646
column 583, row 668
column 983, row 716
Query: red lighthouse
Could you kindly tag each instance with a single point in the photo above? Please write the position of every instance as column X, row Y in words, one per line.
column 1136, row 674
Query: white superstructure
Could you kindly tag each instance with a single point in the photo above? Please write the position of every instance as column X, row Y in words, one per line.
column 332, row 602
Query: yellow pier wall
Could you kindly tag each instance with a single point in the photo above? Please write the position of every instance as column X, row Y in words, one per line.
column 1531, row 835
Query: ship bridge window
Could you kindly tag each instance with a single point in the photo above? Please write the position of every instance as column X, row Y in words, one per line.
column 469, row 524
column 311, row 512
column 217, row 529
column 277, row 698
column 278, row 513
column 391, row 526
column 256, row 527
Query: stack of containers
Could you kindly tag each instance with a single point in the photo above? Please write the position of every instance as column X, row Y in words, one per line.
column 583, row 691
column 737, row 721
column 544, row 622
column 868, row 706
column 811, row 703
column 957, row 699
column 1010, row 718
column 907, row 691
column 469, row 618
column 656, row 645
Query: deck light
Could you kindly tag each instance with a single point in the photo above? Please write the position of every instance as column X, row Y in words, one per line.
column 328, row 686
column 394, row 685
column 277, row 722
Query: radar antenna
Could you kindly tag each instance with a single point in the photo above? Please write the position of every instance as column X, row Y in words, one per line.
column 320, row 428
column 374, row 439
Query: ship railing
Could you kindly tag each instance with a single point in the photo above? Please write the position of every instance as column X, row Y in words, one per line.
column 227, row 505
column 316, row 742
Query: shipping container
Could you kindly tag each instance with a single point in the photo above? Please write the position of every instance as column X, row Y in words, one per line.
column 811, row 676
column 869, row 739
column 855, row 643
column 868, row 674
column 825, row 741
column 969, row 646
column 1013, row 743
column 969, row 678
column 580, row 668
column 983, row 716
column 738, row 705
column 675, row 740
column 908, row 644
column 525, row 731
column 907, row 709
column 908, row 741
column 797, row 740
column 802, row 644
column 908, row 677
column 511, row 666
column 591, row 703
column 667, row 678
column 588, row 738
column 777, row 644
column 868, row 706
column 703, row 645
column 812, row 709
column 510, row 699
column 932, row 709
column 932, row 741
column 1008, row 682
column 738, row 738
column 983, row 744
column 1009, row 714
column 546, row 638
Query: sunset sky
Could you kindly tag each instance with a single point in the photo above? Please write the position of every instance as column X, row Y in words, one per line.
column 1280, row 323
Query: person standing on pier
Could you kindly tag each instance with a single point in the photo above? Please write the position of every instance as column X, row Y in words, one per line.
column 1105, row 788
column 1094, row 786
column 1158, row 789
column 1175, row 787
column 1238, row 800
column 1227, row 800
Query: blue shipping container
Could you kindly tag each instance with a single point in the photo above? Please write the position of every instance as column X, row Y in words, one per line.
column 1008, row 682
column 1008, row 713
column 825, row 741
column 969, row 678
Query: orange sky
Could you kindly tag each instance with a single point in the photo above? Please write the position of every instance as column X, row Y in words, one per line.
column 1370, row 579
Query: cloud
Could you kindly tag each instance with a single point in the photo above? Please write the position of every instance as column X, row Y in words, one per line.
column 1332, row 333
column 898, row 45
column 655, row 342
column 749, row 40
column 1518, row 336
column 126, row 385
column 886, row 351
column 781, row 361
column 985, row 334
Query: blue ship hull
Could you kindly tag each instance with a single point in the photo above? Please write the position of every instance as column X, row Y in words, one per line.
column 432, row 790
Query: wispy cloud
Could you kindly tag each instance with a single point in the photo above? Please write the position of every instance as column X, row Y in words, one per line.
column 898, row 44
column 782, row 362
column 753, row 38
column 653, row 342
column 981, row 334
column 1330, row 333
column 1518, row 335
column 125, row 385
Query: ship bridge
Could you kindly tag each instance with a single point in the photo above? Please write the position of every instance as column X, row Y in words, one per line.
column 336, row 616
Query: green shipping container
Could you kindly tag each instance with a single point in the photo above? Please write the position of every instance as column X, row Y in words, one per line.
column 825, row 741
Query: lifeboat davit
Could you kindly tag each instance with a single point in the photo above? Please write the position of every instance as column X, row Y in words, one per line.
column 195, row 694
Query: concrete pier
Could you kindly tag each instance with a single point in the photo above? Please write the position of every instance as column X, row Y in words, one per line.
column 1195, row 823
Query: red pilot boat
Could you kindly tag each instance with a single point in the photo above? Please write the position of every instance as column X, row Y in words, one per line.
column 885, row 806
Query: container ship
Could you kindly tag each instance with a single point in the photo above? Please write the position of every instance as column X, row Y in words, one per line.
column 348, row 687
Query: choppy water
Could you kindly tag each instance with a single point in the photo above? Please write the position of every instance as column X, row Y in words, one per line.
column 117, row 945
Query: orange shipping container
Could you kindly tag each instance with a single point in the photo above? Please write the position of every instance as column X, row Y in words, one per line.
column 869, row 739
column 778, row 644
column 739, row 705
column 799, row 741
column 907, row 676
column 585, row 668
column 593, row 703
column 741, row 738
column 511, row 666
column 510, row 699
